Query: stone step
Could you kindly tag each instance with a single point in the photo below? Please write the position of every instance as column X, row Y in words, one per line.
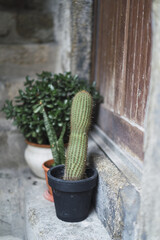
column 42, row 223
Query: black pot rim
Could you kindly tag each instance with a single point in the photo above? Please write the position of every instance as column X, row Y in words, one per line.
column 72, row 186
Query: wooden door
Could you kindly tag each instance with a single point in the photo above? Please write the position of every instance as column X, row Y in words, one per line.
column 121, row 69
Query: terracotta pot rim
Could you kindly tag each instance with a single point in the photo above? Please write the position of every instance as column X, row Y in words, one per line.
column 37, row 145
column 44, row 166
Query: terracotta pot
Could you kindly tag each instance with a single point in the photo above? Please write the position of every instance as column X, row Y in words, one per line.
column 35, row 155
column 48, row 193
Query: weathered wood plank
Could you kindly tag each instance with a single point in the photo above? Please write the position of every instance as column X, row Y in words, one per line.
column 138, row 61
column 122, row 65
column 145, row 66
column 127, row 135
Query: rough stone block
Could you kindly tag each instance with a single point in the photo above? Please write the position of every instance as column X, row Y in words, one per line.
column 39, row 5
column 62, row 30
column 35, row 26
column 17, row 61
column 26, row 27
column 117, row 200
column 81, row 34
column 6, row 23
column 9, row 89
column 12, row 145
column 130, row 199
column 8, row 4
column 26, row 54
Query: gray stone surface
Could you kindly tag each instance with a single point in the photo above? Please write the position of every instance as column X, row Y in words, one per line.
column 8, row 90
column 81, row 37
column 27, row 54
column 12, row 204
column 35, row 26
column 39, row 5
column 12, row 145
column 117, row 201
column 17, row 61
column 130, row 208
column 42, row 222
column 62, row 30
column 9, row 237
column 149, row 228
column 29, row 26
column 6, row 23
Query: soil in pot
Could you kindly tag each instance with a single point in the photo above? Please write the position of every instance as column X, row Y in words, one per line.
column 48, row 193
column 72, row 198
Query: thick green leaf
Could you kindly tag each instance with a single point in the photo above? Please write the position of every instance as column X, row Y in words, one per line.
column 38, row 109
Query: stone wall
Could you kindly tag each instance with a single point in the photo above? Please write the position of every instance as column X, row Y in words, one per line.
column 27, row 46
column 26, row 22
column 149, row 218
column 37, row 35
column 81, row 37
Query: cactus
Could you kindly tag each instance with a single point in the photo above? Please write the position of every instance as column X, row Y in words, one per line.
column 57, row 145
column 81, row 110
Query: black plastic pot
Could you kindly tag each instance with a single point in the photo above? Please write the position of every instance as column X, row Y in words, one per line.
column 72, row 198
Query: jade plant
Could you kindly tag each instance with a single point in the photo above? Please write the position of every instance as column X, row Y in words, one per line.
column 56, row 91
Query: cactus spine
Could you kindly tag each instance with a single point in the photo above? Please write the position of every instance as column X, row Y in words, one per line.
column 81, row 110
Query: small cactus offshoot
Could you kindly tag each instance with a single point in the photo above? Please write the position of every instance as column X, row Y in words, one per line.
column 81, row 111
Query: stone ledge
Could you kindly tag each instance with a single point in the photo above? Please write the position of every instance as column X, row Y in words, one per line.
column 25, row 214
column 42, row 223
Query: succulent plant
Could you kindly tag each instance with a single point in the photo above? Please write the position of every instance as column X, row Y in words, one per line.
column 56, row 91
column 81, row 111
column 57, row 145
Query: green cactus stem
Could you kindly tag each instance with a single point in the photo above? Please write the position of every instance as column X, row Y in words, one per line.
column 60, row 146
column 81, row 111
